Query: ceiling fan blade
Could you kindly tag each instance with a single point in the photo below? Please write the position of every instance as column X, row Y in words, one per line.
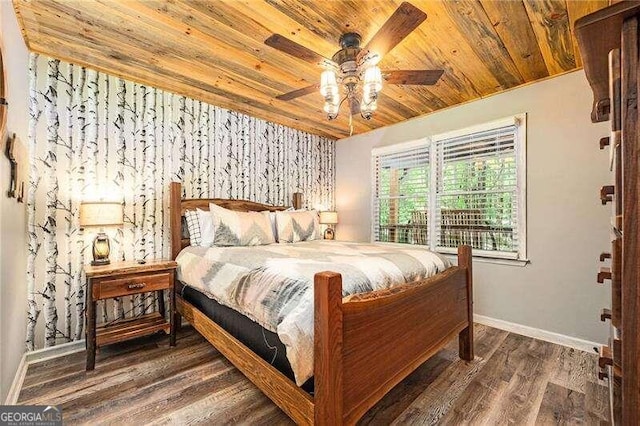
column 292, row 48
column 354, row 105
column 413, row 77
column 297, row 93
column 403, row 21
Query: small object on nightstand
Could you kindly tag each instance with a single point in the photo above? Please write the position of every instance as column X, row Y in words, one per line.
column 101, row 214
column 141, row 261
column 329, row 219
column 120, row 279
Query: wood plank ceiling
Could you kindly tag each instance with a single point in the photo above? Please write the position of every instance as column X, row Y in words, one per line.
column 214, row 50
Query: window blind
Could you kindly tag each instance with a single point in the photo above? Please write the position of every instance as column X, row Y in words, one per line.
column 401, row 196
column 476, row 194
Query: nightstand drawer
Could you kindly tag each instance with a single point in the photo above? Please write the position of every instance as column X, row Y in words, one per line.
column 108, row 288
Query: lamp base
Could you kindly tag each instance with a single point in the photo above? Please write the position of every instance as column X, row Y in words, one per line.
column 329, row 234
column 101, row 250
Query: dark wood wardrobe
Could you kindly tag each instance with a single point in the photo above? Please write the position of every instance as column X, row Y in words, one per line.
column 609, row 44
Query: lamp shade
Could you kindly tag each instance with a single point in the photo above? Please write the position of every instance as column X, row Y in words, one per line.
column 101, row 213
column 328, row 218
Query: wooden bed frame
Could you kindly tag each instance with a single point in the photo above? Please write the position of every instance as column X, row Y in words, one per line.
column 363, row 346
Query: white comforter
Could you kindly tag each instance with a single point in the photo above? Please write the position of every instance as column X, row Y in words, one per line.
column 273, row 284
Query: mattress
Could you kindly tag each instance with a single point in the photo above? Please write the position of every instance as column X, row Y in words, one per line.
column 261, row 341
column 272, row 285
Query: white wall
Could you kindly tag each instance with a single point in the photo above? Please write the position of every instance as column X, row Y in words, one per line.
column 12, row 215
column 567, row 226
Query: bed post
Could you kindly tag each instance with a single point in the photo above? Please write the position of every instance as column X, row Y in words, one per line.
column 466, row 336
column 328, row 348
column 176, row 219
column 175, row 213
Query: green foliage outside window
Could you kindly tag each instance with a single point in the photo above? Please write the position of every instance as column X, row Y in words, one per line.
column 484, row 187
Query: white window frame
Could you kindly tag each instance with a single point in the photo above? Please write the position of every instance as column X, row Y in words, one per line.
column 392, row 149
column 520, row 120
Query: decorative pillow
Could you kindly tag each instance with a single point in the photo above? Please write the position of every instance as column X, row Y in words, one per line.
column 297, row 226
column 274, row 228
column 207, row 230
column 234, row 228
column 272, row 216
column 193, row 225
column 200, row 226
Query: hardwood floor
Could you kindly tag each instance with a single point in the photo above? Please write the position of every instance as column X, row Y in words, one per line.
column 514, row 379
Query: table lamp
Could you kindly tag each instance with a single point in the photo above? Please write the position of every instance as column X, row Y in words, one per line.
column 101, row 214
column 329, row 219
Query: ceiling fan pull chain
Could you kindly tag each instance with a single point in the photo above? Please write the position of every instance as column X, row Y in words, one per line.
column 350, row 124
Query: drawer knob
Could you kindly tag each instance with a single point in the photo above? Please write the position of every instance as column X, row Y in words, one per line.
column 606, row 194
column 603, row 274
column 136, row 286
column 603, row 374
column 606, row 357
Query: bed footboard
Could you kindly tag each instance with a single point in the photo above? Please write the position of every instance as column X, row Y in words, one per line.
column 365, row 346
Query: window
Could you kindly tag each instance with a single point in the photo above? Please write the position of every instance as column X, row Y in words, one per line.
column 462, row 187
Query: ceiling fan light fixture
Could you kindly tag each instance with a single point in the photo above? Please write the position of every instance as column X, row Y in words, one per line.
column 368, row 108
column 352, row 75
column 331, row 107
column 328, row 84
column 372, row 80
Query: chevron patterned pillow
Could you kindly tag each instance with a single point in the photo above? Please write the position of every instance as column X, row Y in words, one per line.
column 234, row 228
column 297, row 226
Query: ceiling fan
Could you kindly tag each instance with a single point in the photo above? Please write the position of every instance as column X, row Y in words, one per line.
column 355, row 67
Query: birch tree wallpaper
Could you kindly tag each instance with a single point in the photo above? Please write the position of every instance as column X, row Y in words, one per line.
column 94, row 136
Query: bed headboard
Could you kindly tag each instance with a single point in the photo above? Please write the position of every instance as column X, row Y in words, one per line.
column 179, row 206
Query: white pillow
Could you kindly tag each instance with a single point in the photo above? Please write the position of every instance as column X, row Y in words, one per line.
column 207, row 230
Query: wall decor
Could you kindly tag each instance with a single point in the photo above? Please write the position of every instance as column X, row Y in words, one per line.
column 16, row 152
column 92, row 134
column 3, row 99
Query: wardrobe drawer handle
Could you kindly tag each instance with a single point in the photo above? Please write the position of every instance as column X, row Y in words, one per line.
column 606, row 194
column 136, row 286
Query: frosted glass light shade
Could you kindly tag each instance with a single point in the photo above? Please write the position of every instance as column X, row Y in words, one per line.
column 328, row 218
column 100, row 213
column 330, row 108
column 369, row 106
column 372, row 80
column 328, row 84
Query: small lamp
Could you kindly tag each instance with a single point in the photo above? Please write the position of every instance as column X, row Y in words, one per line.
column 329, row 218
column 101, row 214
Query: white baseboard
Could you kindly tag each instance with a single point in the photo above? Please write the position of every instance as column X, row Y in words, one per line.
column 79, row 345
column 536, row 333
column 37, row 356
column 55, row 351
column 16, row 385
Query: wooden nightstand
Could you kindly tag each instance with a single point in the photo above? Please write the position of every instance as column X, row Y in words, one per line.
column 124, row 279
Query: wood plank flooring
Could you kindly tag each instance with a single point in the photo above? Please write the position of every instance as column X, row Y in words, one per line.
column 514, row 379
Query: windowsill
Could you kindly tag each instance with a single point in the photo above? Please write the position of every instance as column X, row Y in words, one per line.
column 495, row 261
column 480, row 259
